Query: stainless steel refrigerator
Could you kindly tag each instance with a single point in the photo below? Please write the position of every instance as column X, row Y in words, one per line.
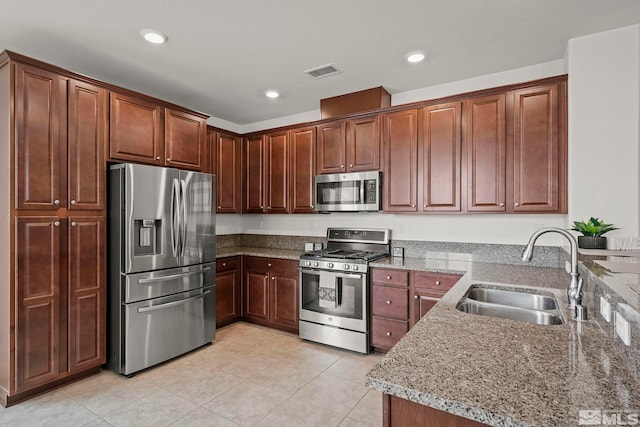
column 161, row 265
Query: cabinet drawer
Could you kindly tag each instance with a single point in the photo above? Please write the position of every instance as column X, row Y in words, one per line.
column 438, row 281
column 271, row 265
column 385, row 333
column 226, row 264
column 390, row 302
column 389, row 276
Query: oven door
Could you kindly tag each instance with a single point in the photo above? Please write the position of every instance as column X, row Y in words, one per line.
column 334, row 298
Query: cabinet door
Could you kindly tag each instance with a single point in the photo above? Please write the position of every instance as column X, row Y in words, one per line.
column 256, row 294
column 363, row 144
column 184, row 140
column 87, row 293
column 228, row 172
column 400, row 146
column 440, row 151
column 228, row 292
column 277, row 172
column 135, row 130
column 485, row 141
column 536, row 149
column 423, row 301
column 284, row 300
column 254, row 174
column 331, row 149
column 41, row 123
column 87, row 138
column 302, row 172
column 38, row 301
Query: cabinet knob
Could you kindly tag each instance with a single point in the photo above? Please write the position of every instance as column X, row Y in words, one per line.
column 388, row 302
column 224, row 264
column 351, row 165
column 501, row 204
column 341, row 166
column 517, row 204
column 56, row 223
column 426, row 206
column 413, row 206
column 168, row 159
column 273, row 278
column 56, row 202
column 158, row 158
column 388, row 277
column 269, row 265
column 73, row 224
column 388, row 333
column 437, row 282
column 73, row 202
column 415, row 297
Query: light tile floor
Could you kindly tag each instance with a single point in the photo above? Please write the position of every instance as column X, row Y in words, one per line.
column 250, row 376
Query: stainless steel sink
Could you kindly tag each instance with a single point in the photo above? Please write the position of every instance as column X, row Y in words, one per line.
column 513, row 299
column 516, row 305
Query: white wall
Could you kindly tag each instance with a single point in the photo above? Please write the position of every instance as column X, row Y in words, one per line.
column 604, row 128
column 604, row 154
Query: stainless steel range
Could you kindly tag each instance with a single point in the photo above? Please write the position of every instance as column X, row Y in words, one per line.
column 334, row 287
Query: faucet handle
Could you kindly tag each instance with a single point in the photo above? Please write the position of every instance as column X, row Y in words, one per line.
column 579, row 290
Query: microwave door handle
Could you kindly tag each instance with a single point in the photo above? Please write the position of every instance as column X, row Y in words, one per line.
column 362, row 192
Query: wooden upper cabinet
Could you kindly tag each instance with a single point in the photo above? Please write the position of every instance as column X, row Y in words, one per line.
column 41, row 124
column 349, row 145
column 400, row 148
column 485, row 141
column 38, row 301
column 228, row 157
column 440, row 157
column 277, row 172
column 302, row 169
column 363, row 144
column 331, row 154
column 87, row 136
column 184, row 140
column 254, row 177
column 537, row 150
column 135, row 130
column 86, row 292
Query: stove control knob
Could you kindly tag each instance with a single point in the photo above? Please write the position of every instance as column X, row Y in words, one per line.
column 355, row 267
column 330, row 265
column 308, row 263
column 347, row 266
column 316, row 263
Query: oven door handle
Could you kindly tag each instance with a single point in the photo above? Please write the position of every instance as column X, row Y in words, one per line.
column 350, row 275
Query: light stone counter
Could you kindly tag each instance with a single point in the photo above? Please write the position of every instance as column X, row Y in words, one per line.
column 502, row 372
column 261, row 252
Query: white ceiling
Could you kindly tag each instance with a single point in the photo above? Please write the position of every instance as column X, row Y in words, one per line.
column 223, row 54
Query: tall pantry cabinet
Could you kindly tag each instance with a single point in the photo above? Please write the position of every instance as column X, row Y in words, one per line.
column 53, row 132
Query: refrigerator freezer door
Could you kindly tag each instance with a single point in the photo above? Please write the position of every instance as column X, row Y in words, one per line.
column 198, row 232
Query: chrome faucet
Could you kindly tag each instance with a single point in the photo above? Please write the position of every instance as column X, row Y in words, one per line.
column 574, row 292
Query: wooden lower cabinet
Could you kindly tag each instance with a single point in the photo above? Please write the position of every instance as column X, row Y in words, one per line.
column 399, row 299
column 398, row 412
column 228, row 290
column 271, row 292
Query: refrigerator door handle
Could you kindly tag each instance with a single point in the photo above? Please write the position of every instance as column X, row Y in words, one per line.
column 183, row 221
column 172, row 304
column 175, row 219
column 172, row 276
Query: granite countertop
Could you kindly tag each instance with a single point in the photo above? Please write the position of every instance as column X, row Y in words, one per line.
column 502, row 372
column 261, row 252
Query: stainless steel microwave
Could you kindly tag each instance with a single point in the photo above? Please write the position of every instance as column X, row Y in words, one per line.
column 349, row 192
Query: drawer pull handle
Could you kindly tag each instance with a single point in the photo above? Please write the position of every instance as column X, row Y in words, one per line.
column 388, row 333
column 437, row 282
column 388, row 277
column 388, row 302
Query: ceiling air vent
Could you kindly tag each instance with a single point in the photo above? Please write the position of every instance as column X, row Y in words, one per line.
column 323, row 71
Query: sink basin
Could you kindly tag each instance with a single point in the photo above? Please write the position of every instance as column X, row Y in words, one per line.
column 537, row 317
column 513, row 299
column 516, row 305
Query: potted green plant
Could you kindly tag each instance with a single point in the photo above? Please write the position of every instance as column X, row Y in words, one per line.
column 592, row 231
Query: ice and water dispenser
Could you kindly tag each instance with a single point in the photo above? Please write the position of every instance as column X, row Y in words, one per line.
column 147, row 237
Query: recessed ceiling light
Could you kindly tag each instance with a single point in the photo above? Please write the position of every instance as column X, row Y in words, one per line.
column 153, row 36
column 414, row 57
column 271, row 94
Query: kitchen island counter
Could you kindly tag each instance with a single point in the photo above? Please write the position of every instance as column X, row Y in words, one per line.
column 502, row 372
